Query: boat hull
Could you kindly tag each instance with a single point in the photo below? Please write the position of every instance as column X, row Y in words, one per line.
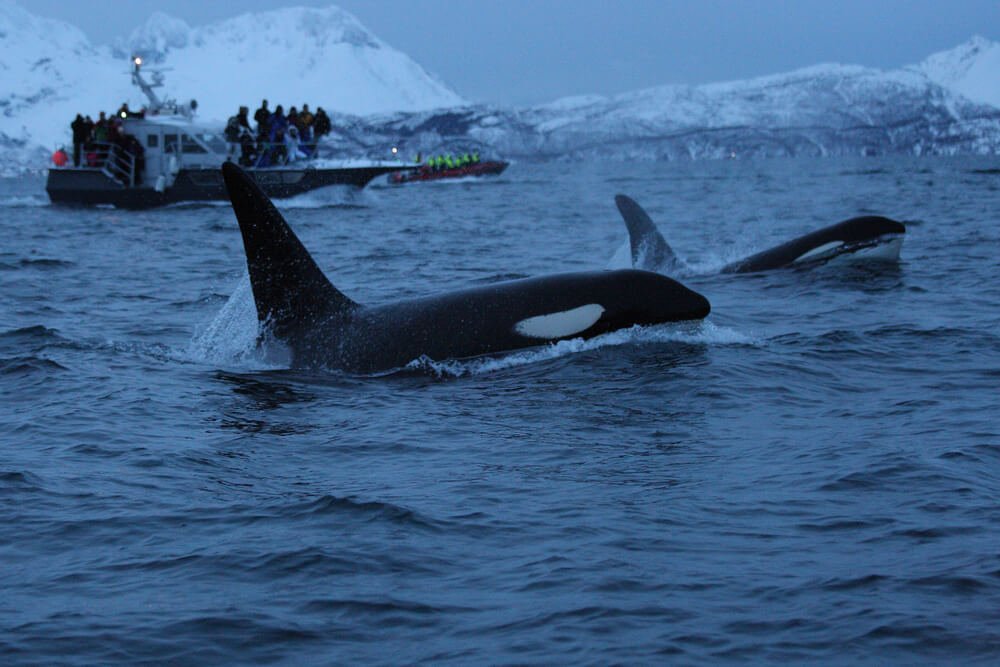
column 490, row 168
column 88, row 187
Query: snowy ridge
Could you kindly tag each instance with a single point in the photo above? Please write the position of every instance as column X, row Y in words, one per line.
column 378, row 97
column 815, row 111
column 971, row 69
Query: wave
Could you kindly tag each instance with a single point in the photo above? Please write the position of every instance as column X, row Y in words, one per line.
column 28, row 365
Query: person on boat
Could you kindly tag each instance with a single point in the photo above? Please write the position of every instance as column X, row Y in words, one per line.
column 321, row 124
column 232, row 135
column 101, row 129
column 292, row 144
column 278, row 123
column 248, row 149
column 59, row 157
column 80, row 137
column 475, row 157
column 261, row 117
column 88, row 124
column 243, row 118
column 131, row 144
column 306, row 120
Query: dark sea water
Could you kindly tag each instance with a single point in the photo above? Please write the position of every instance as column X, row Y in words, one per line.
column 811, row 475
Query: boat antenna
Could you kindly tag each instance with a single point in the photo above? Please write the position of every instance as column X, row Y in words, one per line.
column 154, row 102
column 156, row 105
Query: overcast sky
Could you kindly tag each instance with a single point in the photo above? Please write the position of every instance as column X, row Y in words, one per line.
column 532, row 51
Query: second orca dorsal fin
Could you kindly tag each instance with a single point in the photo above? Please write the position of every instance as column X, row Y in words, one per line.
column 289, row 289
column 650, row 251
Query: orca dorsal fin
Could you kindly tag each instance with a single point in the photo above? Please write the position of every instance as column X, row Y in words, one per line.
column 289, row 289
column 650, row 251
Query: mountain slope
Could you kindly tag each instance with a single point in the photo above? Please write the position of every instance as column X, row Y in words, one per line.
column 821, row 110
column 323, row 57
column 972, row 70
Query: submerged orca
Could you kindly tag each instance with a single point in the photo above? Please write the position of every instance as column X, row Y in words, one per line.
column 869, row 237
column 325, row 329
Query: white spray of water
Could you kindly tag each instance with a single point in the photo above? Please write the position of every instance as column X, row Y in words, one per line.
column 703, row 333
column 622, row 259
column 231, row 338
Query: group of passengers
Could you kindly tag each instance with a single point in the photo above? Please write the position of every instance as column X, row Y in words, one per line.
column 94, row 142
column 451, row 161
column 280, row 138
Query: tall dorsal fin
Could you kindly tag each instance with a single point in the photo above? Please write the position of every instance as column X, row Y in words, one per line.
column 650, row 250
column 288, row 287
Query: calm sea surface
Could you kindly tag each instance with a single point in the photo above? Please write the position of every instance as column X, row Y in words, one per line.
column 811, row 475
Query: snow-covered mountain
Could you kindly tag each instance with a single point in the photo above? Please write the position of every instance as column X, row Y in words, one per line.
column 49, row 71
column 942, row 106
column 971, row 69
column 948, row 104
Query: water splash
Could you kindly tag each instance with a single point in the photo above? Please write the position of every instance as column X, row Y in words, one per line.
column 231, row 338
column 703, row 333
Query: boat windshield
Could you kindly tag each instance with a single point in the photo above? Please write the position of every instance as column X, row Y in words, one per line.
column 198, row 142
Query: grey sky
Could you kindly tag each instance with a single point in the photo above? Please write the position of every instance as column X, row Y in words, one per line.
column 531, row 51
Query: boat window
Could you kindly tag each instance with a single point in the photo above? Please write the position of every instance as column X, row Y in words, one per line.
column 169, row 143
column 214, row 142
column 152, row 140
column 190, row 145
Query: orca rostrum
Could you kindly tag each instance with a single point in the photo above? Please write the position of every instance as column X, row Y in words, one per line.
column 323, row 328
column 867, row 238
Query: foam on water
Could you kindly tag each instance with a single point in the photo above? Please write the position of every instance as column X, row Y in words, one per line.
column 702, row 333
column 24, row 201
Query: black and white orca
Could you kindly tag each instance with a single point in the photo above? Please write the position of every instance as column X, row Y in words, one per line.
column 866, row 238
column 323, row 328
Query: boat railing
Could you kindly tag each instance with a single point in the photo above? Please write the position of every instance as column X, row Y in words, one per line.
column 113, row 160
column 274, row 154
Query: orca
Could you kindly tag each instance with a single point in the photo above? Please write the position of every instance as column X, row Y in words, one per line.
column 868, row 237
column 324, row 329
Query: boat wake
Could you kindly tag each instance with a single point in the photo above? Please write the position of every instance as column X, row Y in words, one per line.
column 332, row 196
column 24, row 201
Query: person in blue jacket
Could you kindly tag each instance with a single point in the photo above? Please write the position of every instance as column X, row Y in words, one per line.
column 278, row 124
